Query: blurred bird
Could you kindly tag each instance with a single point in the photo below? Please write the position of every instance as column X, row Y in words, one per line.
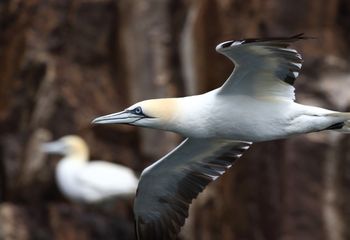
column 256, row 103
column 89, row 182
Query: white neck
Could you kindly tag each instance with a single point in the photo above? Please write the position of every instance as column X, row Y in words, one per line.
column 193, row 115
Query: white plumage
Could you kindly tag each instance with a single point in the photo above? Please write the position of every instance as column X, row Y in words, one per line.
column 256, row 103
column 89, row 182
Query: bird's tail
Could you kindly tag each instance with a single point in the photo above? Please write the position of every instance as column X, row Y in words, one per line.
column 344, row 125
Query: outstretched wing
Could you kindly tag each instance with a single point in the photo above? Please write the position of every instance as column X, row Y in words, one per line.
column 167, row 187
column 264, row 68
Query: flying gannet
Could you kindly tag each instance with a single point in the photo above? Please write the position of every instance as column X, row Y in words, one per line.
column 88, row 182
column 256, row 103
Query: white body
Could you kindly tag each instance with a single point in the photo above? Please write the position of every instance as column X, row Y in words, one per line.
column 94, row 181
column 246, row 118
column 90, row 182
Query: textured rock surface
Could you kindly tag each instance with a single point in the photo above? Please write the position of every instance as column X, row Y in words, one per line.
column 64, row 62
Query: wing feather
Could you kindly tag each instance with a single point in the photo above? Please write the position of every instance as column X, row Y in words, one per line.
column 167, row 188
column 263, row 67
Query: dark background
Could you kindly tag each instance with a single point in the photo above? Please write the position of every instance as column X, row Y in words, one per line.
column 63, row 62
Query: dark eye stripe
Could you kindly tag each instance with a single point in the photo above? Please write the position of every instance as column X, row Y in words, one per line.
column 138, row 111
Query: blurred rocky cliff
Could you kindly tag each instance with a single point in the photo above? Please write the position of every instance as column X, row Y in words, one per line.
column 62, row 63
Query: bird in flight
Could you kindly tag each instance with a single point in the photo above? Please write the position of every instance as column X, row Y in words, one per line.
column 88, row 182
column 256, row 103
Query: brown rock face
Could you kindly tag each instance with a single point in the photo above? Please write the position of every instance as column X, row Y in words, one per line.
column 62, row 63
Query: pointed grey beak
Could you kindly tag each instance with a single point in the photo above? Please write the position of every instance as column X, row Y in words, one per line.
column 53, row 147
column 126, row 117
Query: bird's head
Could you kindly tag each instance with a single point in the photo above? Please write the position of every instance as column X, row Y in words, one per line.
column 71, row 146
column 154, row 113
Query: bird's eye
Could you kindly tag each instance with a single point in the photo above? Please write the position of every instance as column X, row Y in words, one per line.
column 138, row 110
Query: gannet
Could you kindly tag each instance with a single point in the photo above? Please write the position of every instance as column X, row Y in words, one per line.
column 89, row 182
column 256, row 103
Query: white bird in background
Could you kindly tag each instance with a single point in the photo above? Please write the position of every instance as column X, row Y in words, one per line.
column 256, row 103
column 89, row 182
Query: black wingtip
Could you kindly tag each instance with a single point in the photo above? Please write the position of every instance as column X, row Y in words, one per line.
column 293, row 38
column 301, row 36
column 281, row 40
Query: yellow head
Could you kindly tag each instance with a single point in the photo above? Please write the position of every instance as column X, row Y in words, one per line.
column 154, row 113
column 70, row 146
